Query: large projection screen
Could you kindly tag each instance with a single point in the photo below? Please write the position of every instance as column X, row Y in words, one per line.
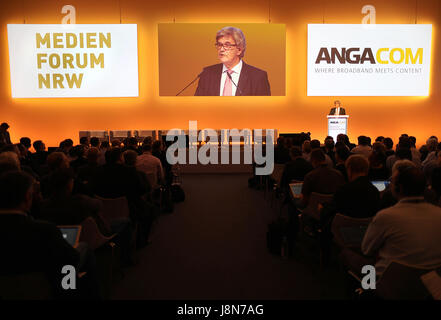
column 186, row 49
column 369, row 60
column 73, row 60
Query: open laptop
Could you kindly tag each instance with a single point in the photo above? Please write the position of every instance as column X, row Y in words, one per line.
column 381, row 185
column 296, row 189
column 71, row 234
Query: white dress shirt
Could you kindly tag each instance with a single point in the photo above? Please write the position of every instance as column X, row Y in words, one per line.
column 408, row 233
column 235, row 76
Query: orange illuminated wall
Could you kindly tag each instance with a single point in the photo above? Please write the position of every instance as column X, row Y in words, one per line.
column 55, row 119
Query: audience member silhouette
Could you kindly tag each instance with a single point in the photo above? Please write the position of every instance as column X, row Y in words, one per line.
column 4, row 134
column 342, row 153
column 150, row 165
column 363, row 147
column 296, row 169
column 306, row 150
column 63, row 208
column 322, row 179
column 29, row 245
column 358, row 198
column 408, row 232
column 377, row 163
column 78, row 154
column 95, row 142
column 159, row 152
column 281, row 153
column 389, row 144
column 328, row 148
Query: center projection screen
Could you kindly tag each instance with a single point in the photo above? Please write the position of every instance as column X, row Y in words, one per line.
column 187, row 50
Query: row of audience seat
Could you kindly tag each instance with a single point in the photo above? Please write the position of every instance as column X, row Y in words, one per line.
column 345, row 234
column 110, row 233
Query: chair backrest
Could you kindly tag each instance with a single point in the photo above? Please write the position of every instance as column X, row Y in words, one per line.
column 432, row 282
column 314, row 200
column 114, row 209
column 349, row 232
column 402, row 282
column 92, row 235
column 27, row 286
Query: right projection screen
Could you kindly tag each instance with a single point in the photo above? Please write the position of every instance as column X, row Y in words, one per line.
column 369, row 60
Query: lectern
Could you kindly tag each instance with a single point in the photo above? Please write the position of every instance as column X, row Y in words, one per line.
column 337, row 125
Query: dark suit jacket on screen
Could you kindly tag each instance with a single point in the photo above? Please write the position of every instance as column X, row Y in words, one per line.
column 252, row 81
column 342, row 112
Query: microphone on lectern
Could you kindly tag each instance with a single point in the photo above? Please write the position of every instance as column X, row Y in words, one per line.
column 199, row 75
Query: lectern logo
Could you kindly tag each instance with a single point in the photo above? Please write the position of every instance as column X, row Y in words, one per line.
column 360, row 56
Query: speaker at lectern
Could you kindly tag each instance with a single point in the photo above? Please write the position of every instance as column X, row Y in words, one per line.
column 337, row 121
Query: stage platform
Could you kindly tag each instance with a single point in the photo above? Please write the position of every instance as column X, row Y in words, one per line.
column 216, row 168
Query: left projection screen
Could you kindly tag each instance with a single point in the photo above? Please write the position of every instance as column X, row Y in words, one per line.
column 73, row 60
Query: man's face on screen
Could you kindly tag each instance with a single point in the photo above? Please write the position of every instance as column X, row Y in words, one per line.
column 227, row 51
